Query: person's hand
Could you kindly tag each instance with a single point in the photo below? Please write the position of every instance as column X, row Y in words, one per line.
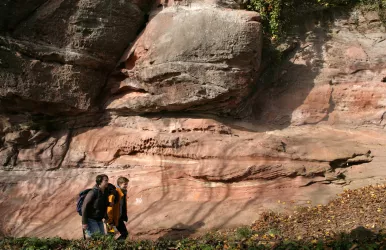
column 84, row 226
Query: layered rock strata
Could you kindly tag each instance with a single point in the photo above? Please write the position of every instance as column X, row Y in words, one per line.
column 306, row 129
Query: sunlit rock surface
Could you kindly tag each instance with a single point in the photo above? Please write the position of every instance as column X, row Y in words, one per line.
column 305, row 129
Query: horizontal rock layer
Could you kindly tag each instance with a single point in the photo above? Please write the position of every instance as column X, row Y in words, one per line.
column 312, row 126
column 187, row 175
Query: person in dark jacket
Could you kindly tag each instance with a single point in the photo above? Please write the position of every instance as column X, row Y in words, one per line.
column 117, row 211
column 95, row 206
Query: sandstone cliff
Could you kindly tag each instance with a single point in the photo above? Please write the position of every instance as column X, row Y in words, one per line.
column 178, row 97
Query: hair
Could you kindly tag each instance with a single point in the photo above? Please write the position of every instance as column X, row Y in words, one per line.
column 99, row 178
column 122, row 180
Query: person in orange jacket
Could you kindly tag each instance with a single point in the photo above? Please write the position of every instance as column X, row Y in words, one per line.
column 117, row 209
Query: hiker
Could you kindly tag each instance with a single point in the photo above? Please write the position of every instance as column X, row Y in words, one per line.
column 94, row 207
column 117, row 210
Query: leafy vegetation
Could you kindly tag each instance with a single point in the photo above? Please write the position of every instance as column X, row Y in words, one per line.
column 277, row 15
column 211, row 241
column 362, row 208
column 354, row 220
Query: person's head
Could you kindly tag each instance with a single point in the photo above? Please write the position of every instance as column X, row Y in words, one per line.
column 102, row 181
column 122, row 182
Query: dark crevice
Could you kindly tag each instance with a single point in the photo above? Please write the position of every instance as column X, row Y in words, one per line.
column 356, row 71
column 126, row 90
column 374, row 21
column 382, row 118
column 134, row 152
column 282, row 147
column 339, row 163
column 309, row 184
column 347, row 162
column 52, row 149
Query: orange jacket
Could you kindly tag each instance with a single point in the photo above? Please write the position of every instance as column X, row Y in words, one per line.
column 113, row 212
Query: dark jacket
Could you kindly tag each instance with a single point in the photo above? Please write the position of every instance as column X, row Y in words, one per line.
column 124, row 207
column 95, row 205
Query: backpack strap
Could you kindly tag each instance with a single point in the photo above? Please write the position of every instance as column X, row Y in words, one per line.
column 95, row 193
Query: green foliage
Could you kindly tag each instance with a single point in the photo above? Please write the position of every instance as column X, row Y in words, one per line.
column 33, row 243
column 277, row 15
column 270, row 11
column 244, row 232
column 243, row 238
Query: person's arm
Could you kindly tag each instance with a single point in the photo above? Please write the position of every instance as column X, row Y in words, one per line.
column 86, row 203
column 124, row 208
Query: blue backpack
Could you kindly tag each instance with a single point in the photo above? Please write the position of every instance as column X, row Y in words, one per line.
column 80, row 201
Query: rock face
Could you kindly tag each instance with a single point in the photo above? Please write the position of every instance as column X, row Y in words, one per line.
column 309, row 128
column 186, row 60
column 336, row 76
column 66, row 48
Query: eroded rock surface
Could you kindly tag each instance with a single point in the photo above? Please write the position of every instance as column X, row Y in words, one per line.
column 187, row 59
column 313, row 125
column 336, row 75
column 56, row 55
column 191, row 174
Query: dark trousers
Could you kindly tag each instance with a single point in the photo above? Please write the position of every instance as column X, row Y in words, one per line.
column 122, row 230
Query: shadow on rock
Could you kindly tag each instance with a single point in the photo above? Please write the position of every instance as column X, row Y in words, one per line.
column 180, row 230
